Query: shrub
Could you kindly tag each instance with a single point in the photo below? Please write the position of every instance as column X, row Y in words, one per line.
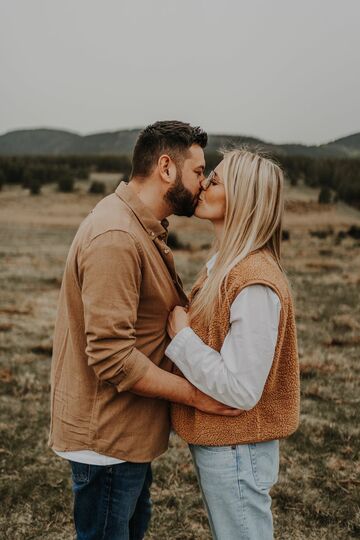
column 34, row 185
column 174, row 243
column 97, row 187
column 66, row 183
column 2, row 179
column 32, row 176
column 325, row 195
column 32, row 180
column 354, row 232
column 341, row 235
column 293, row 180
column 82, row 173
column 322, row 233
column 110, row 163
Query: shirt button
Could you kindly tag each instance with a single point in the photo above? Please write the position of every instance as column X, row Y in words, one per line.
column 166, row 251
column 152, row 233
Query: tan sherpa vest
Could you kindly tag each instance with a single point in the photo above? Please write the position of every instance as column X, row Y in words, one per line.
column 276, row 414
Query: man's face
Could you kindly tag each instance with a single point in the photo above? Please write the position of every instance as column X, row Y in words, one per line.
column 183, row 196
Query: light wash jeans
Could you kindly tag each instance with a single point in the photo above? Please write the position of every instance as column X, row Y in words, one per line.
column 235, row 482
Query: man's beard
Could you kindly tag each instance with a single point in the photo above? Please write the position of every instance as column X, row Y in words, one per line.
column 180, row 199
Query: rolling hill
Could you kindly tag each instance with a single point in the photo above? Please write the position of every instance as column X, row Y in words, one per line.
column 54, row 142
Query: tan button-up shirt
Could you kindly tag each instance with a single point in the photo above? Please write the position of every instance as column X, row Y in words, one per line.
column 118, row 288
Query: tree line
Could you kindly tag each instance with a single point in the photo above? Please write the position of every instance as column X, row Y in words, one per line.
column 32, row 172
column 337, row 178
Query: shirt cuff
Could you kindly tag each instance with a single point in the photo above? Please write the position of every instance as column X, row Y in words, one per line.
column 134, row 369
column 176, row 347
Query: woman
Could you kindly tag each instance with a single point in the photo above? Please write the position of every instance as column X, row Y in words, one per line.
column 237, row 343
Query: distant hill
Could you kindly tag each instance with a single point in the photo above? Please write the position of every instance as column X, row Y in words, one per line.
column 344, row 147
column 349, row 145
column 54, row 142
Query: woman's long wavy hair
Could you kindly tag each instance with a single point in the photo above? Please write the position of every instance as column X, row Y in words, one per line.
column 253, row 220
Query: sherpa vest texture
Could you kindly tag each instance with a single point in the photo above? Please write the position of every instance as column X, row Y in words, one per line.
column 276, row 415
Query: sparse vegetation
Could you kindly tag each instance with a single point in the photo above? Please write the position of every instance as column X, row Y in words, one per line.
column 325, row 195
column 352, row 232
column 337, row 178
column 97, row 187
column 66, row 183
column 174, row 243
column 17, row 169
column 34, row 185
column 341, row 176
column 322, row 233
column 317, row 497
column 285, row 235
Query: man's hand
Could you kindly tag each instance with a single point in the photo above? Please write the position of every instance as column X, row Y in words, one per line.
column 158, row 383
column 178, row 319
column 209, row 405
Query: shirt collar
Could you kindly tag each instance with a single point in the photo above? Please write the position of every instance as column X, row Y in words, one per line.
column 211, row 262
column 153, row 227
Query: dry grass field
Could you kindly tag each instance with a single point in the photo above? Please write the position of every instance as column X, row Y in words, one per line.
column 317, row 496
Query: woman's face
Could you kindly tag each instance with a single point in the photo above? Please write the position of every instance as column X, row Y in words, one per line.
column 212, row 202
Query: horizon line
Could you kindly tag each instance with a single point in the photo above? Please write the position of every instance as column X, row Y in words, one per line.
column 219, row 134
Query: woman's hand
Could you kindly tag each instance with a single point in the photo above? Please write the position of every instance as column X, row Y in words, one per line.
column 178, row 319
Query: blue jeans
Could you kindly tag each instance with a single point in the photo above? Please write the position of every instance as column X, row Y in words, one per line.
column 235, row 482
column 111, row 502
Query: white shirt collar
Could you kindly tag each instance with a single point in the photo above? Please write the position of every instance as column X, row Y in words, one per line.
column 211, row 262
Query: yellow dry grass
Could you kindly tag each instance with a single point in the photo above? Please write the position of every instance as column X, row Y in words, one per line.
column 317, row 496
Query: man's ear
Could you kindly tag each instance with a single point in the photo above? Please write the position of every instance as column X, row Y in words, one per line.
column 167, row 168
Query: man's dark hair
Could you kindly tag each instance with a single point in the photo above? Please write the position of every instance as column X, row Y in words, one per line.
column 167, row 137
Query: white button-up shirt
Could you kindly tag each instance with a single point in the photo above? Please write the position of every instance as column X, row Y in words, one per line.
column 237, row 374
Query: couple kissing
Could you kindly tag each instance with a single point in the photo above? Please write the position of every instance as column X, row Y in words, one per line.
column 133, row 355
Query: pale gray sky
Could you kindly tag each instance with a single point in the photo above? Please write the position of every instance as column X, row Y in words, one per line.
column 281, row 70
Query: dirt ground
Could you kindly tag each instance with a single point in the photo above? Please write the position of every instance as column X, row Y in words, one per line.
column 317, row 496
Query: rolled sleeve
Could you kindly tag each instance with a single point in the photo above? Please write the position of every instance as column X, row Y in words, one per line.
column 134, row 369
column 111, row 283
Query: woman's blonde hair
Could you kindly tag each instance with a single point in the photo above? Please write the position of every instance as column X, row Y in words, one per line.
column 253, row 220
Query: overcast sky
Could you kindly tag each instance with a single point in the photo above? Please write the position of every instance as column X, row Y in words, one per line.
column 281, row 70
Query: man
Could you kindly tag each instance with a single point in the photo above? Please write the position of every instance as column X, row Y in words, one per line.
column 109, row 368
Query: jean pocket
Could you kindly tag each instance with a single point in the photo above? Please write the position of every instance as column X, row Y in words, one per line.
column 80, row 472
column 217, row 449
column 265, row 462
